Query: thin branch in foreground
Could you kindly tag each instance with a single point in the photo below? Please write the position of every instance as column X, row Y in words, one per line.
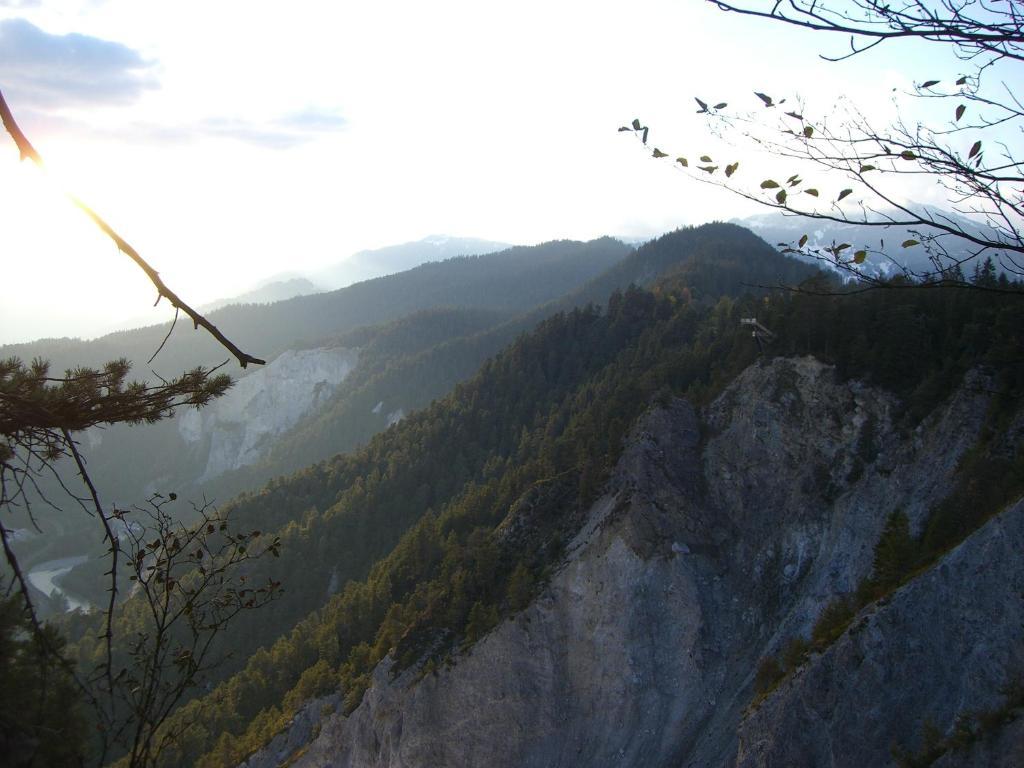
column 28, row 152
column 108, row 635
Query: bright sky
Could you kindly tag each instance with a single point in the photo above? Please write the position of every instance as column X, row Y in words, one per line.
column 231, row 141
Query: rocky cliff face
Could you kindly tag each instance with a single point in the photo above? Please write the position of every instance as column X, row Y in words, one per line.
column 944, row 645
column 721, row 535
column 264, row 404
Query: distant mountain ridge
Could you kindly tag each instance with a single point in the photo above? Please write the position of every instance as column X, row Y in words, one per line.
column 508, row 280
column 378, row 262
column 777, row 228
column 268, row 293
column 245, row 440
column 713, row 259
column 407, row 362
column 477, row 292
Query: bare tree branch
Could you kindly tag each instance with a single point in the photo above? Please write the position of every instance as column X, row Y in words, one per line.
column 975, row 154
column 967, row 24
column 29, row 152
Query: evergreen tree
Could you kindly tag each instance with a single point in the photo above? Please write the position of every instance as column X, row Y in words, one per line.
column 41, row 716
column 520, row 587
column 894, row 554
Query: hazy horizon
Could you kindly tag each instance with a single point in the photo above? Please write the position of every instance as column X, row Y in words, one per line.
column 364, row 126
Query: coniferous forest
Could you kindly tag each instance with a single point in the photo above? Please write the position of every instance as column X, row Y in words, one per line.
column 706, row 450
column 419, row 543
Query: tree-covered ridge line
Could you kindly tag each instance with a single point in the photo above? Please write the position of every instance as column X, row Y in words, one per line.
column 317, row 435
column 704, row 254
column 724, row 244
column 450, row 577
column 477, row 291
column 507, row 281
column 399, row 369
column 446, row 580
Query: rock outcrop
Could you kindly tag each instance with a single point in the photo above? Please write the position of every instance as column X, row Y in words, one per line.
column 943, row 646
column 302, row 729
column 720, row 536
column 238, row 426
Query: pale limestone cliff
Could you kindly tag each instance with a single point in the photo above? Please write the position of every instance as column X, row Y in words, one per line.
column 720, row 536
column 238, row 426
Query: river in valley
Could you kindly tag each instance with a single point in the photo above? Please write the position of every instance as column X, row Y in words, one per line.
column 44, row 578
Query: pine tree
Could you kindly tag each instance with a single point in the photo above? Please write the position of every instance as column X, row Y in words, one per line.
column 894, row 554
column 520, row 587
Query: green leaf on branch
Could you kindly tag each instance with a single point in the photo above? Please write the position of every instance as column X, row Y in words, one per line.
column 683, row 161
column 703, row 105
column 910, row 243
column 769, row 184
column 636, row 125
column 929, row 83
column 975, row 149
column 795, row 115
column 843, row 194
column 842, row 247
column 766, row 99
column 731, row 169
column 781, row 197
column 720, row 105
column 708, row 168
column 803, row 241
column 962, row 80
column 859, row 256
column 960, row 111
column 659, row 154
column 866, row 168
column 808, row 131
column 705, row 159
column 812, row 191
column 906, row 154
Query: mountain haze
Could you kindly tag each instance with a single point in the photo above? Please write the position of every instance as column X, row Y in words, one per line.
column 504, row 281
column 377, row 262
column 786, row 230
column 267, row 293
column 190, row 453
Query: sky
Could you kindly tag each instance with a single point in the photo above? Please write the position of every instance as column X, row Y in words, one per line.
column 230, row 142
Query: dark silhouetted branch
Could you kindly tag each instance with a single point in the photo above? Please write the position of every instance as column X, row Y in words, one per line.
column 29, row 152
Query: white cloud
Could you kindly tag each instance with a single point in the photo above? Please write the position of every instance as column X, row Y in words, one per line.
column 42, row 70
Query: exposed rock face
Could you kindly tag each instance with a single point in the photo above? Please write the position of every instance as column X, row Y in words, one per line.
column 944, row 645
column 264, row 404
column 303, row 728
column 1003, row 750
column 719, row 538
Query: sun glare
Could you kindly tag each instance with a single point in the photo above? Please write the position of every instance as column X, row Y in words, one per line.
column 57, row 262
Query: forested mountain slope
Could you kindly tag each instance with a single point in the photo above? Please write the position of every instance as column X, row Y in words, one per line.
column 375, row 262
column 360, row 382
column 508, row 281
column 183, row 455
column 710, row 548
column 712, row 260
column 416, row 546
